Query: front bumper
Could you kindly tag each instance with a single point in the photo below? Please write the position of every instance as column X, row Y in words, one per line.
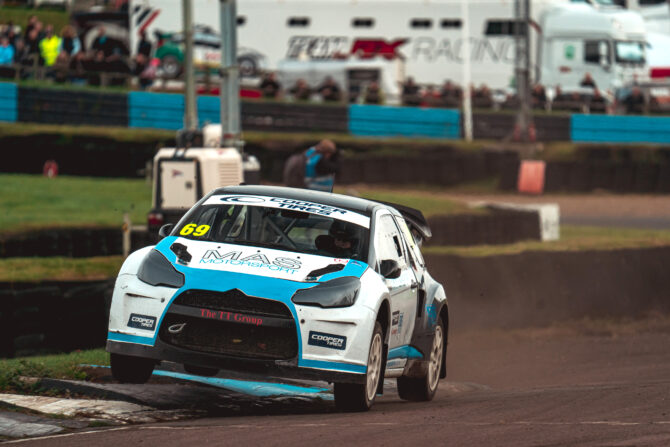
column 313, row 360
column 285, row 369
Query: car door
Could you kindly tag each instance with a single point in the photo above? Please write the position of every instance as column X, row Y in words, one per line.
column 389, row 245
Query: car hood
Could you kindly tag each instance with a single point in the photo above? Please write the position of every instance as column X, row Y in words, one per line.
column 215, row 257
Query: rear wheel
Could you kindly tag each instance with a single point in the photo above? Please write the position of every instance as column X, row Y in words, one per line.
column 129, row 369
column 424, row 388
column 360, row 397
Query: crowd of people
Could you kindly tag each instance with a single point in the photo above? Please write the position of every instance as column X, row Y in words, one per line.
column 38, row 51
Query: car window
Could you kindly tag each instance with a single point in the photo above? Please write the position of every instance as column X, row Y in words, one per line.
column 281, row 229
column 414, row 248
column 388, row 241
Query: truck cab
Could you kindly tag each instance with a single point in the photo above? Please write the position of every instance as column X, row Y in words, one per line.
column 578, row 39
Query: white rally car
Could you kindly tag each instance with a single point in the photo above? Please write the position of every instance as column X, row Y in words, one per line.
column 286, row 283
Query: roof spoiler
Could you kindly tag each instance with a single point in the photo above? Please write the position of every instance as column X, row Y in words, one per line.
column 414, row 219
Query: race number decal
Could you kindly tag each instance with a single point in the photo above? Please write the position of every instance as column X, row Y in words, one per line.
column 195, row 230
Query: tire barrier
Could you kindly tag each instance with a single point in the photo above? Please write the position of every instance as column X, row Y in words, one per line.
column 55, row 106
column 496, row 227
column 70, row 242
column 541, row 288
column 586, row 176
column 498, row 126
column 53, row 316
column 86, row 155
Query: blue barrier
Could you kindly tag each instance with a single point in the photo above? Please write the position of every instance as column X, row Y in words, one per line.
column 8, row 102
column 619, row 129
column 386, row 121
column 156, row 110
column 166, row 110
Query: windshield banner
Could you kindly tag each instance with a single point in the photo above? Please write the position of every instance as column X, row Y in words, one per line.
column 291, row 204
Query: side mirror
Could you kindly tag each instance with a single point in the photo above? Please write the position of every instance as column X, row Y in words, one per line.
column 389, row 269
column 165, row 230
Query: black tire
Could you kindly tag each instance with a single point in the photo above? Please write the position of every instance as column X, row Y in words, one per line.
column 200, row 370
column 422, row 389
column 129, row 369
column 171, row 66
column 357, row 396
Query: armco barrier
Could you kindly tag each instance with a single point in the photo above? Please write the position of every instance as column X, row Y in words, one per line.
column 387, row 121
column 54, row 106
column 497, row 126
column 8, row 102
column 619, row 129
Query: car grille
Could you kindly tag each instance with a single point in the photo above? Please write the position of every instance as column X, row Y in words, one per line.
column 275, row 339
column 233, row 301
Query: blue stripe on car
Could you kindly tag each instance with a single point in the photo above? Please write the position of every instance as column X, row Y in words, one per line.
column 404, row 352
column 253, row 285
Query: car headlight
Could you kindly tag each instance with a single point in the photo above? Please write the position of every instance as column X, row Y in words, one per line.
column 338, row 292
column 158, row 271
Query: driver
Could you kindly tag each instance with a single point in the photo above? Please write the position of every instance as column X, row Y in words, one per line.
column 339, row 242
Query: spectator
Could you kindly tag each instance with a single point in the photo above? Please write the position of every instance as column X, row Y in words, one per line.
column 103, row 44
column 11, row 34
column 70, row 43
column 301, row 90
column 144, row 46
column 32, row 43
column 410, row 93
column 313, row 169
column 482, row 97
column 431, row 97
column 634, row 102
column 49, row 46
column 373, row 94
column 538, row 97
column 6, row 51
column 587, row 81
column 329, row 90
column 33, row 23
column 597, row 102
column 451, row 94
column 21, row 52
column 270, row 86
column 145, row 69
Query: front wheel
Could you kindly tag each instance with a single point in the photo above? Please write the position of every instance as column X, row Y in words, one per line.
column 130, row 369
column 424, row 388
column 360, row 397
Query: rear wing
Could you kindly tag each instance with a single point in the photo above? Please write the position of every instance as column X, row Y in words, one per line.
column 414, row 218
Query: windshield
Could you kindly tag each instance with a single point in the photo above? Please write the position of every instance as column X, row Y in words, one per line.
column 630, row 52
column 282, row 229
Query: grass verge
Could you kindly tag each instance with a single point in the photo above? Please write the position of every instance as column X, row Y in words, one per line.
column 31, row 201
column 60, row 366
column 573, row 238
column 20, row 16
column 59, row 269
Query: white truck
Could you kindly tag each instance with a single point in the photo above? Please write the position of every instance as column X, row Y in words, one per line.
column 425, row 37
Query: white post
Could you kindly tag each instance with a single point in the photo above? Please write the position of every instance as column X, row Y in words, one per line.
column 467, row 76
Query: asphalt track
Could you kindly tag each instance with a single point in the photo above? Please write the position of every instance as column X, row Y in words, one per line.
column 575, row 384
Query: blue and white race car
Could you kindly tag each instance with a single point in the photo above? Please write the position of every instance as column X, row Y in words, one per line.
column 286, row 283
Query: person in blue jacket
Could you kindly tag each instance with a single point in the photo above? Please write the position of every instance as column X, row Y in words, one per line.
column 321, row 165
column 313, row 169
